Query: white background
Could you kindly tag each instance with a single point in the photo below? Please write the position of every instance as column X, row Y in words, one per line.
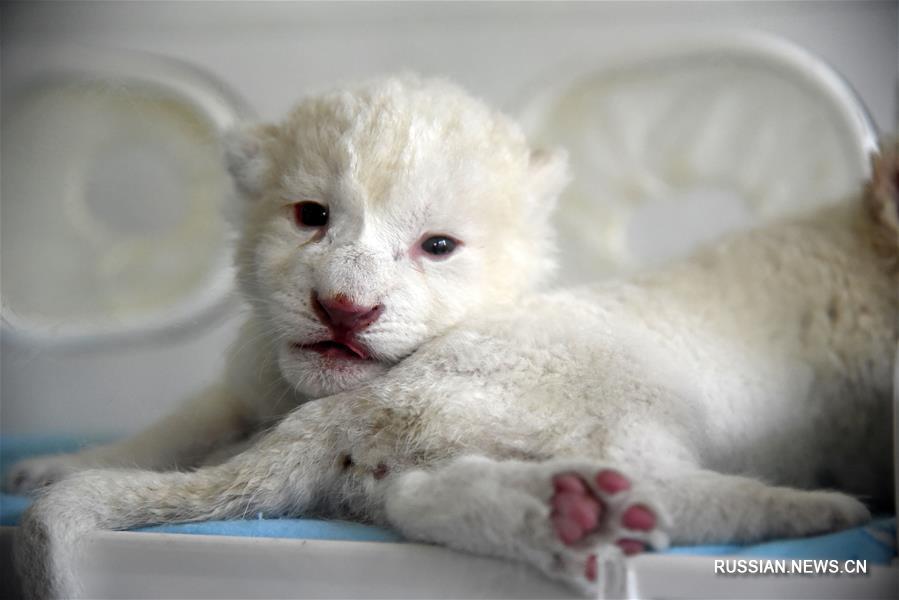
column 273, row 52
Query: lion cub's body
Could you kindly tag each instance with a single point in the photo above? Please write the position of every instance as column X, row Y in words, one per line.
column 770, row 354
column 767, row 357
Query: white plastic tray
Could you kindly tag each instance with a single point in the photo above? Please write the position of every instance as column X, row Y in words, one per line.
column 155, row 565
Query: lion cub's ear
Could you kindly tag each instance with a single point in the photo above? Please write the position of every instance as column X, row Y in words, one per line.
column 549, row 175
column 248, row 156
column 881, row 199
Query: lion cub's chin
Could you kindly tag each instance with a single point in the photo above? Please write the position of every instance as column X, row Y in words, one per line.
column 315, row 373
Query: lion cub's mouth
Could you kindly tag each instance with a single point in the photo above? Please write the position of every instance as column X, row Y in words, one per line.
column 347, row 350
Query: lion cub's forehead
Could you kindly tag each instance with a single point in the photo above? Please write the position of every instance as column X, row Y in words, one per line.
column 401, row 145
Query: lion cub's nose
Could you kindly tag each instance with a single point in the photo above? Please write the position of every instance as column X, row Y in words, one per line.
column 340, row 313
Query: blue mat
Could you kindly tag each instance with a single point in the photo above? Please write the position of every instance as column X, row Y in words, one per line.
column 874, row 542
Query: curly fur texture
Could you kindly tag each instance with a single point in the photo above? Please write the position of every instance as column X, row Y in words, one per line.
column 721, row 393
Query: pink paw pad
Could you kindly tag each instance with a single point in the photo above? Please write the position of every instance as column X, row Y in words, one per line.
column 569, row 483
column 639, row 518
column 590, row 568
column 575, row 511
column 630, row 547
column 612, row 481
column 580, row 508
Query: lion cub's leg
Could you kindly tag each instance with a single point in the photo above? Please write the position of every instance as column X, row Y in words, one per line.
column 208, row 422
column 573, row 520
column 706, row 506
column 282, row 473
column 576, row 520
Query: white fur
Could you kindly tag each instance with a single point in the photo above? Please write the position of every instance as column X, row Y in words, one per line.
column 721, row 386
column 394, row 159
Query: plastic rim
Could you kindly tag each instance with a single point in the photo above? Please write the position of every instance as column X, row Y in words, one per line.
column 224, row 109
column 768, row 49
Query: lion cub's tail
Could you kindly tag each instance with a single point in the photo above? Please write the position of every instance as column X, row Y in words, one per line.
column 881, row 199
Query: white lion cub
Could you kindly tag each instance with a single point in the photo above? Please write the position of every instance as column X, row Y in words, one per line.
column 393, row 245
column 372, row 220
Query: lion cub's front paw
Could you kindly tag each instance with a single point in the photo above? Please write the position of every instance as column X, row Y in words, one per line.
column 578, row 511
column 595, row 513
column 34, row 473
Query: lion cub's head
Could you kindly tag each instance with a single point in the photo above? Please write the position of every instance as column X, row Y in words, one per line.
column 375, row 218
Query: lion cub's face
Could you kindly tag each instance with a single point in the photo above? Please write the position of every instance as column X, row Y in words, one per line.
column 376, row 218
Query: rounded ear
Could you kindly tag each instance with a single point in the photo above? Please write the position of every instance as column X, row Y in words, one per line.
column 247, row 156
column 549, row 174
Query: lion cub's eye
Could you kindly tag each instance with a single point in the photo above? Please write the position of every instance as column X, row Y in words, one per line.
column 310, row 214
column 439, row 245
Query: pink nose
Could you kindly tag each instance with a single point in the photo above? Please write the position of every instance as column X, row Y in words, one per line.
column 340, row 314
